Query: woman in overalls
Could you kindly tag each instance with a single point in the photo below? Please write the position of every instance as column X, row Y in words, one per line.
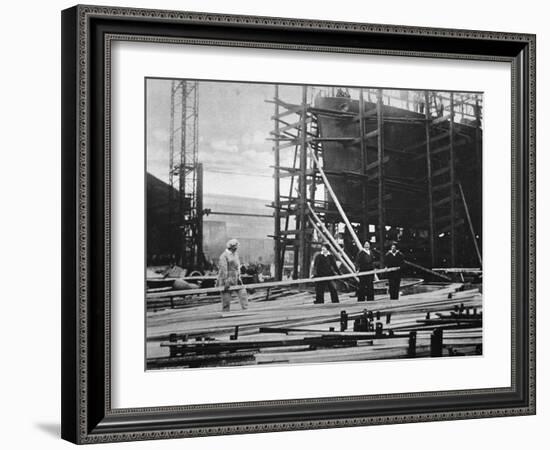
column 229, row 275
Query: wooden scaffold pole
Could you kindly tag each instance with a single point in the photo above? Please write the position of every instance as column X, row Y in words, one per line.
column 429, row 179
column 277, row 202
column 364, row 164
column 380, row 146
column 453, row 181
column 302, row 186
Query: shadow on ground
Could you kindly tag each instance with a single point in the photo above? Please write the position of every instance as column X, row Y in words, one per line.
column 53, row 429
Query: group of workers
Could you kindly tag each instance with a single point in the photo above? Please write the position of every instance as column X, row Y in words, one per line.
column 324, row 265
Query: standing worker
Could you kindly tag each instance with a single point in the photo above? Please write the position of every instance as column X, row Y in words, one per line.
column 394, row 258
column 229, row 275
column 365, row 262
column 324, row 265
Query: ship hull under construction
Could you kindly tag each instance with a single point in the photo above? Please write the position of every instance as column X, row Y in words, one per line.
column 408, row 174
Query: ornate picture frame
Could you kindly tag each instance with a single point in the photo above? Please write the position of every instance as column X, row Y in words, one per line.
column 88, row 33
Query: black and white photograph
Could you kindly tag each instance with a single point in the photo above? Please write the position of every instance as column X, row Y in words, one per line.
column 275, row 225
column 299, row 224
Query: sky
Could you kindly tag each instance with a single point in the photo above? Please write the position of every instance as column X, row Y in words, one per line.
column 234, row 126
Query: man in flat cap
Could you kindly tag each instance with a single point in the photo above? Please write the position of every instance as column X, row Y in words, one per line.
column 229, row 275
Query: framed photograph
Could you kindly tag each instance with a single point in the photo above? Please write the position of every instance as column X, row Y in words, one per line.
column 280, row 224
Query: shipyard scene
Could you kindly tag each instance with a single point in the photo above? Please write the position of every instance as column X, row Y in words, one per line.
column 298, row 224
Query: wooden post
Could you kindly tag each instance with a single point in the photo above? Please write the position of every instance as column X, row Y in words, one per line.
column 411, row 351
column 235, row 335
column 302, row 186
column 312, row 188
column 313, row 185
column 436, row 342
column 287, row 220
column 296, row 256
column 429, row 177
column 277, row 202
column 452, row 186
column 364, row 163
column 380, row 145
column 343, row 321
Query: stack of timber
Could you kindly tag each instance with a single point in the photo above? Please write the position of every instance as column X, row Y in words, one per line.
column 408, row 285
column 443, row 320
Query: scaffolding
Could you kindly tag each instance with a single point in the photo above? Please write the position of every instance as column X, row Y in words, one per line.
column 436, row 126
column 185, row 175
